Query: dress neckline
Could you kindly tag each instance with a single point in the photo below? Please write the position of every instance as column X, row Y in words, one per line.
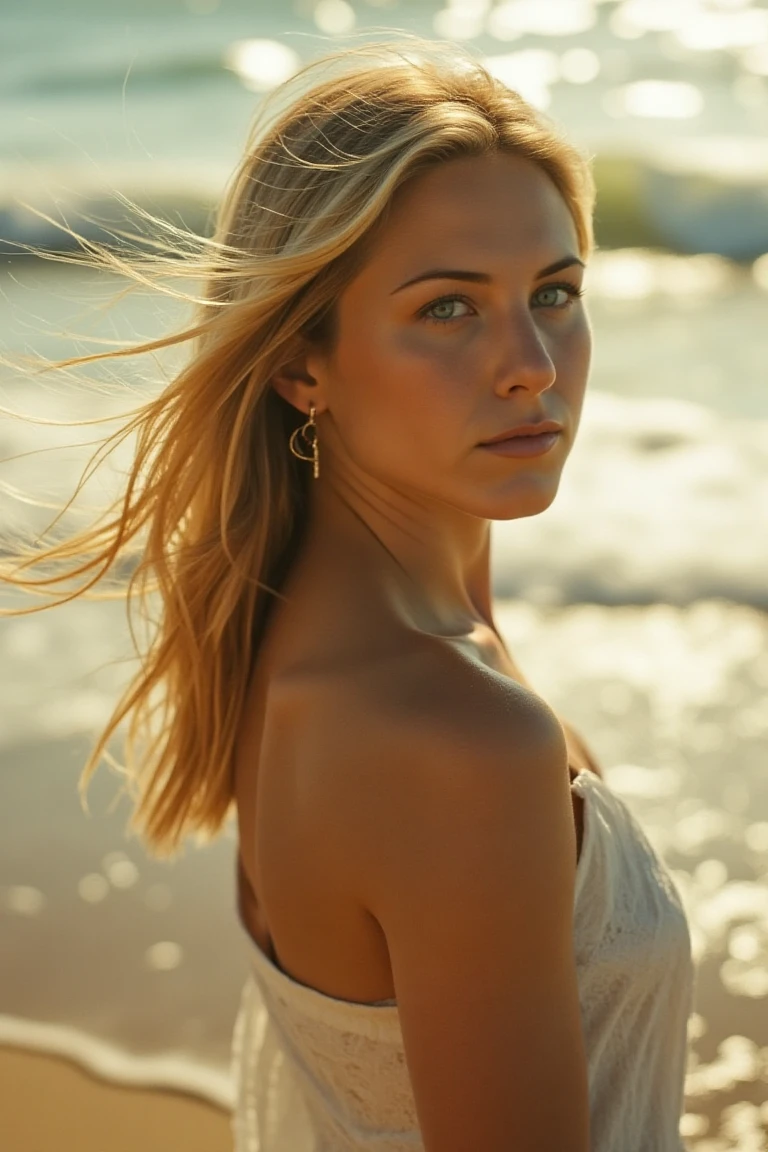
column 295, row 990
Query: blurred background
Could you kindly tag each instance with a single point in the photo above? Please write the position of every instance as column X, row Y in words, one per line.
column 636, row 604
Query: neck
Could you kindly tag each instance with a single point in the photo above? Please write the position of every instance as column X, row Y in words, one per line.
column 434, row 559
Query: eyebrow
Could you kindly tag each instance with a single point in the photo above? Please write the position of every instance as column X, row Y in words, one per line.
column 483, row 277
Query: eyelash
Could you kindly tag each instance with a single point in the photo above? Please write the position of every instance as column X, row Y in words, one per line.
column 572, row 289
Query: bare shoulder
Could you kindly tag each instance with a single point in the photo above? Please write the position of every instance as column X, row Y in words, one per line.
column 429, row 693
column 428, row 735
column 427, row 719
column 452, row 802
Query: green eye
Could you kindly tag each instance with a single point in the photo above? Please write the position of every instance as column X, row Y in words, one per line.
column 571, row 290
column 442, row 311
column 551, row 289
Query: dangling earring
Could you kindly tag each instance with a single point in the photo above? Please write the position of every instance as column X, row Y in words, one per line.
column 308, row 433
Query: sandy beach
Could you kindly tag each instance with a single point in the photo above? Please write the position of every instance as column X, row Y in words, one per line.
column 51, row 1105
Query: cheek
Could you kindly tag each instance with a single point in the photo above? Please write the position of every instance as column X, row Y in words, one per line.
column 573, row 372
column 575, row 356
column 402, row 400
column 367, row 396
column 401, row 379
column 437, row 375
column 583, row 338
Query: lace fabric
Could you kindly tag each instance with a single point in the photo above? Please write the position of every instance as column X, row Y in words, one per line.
column 318, row 1074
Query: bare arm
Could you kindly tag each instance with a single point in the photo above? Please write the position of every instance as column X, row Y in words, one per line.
column 466, row 845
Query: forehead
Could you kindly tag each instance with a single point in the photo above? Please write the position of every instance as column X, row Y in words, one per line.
column 489, row 208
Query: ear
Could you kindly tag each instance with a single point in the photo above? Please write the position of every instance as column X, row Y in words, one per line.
column 296, row 384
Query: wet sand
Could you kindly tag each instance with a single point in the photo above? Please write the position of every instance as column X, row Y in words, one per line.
column 51, row 1105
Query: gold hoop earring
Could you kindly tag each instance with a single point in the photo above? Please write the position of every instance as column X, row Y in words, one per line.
column 308, row 433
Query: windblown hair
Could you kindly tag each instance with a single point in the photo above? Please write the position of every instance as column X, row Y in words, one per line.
column 215, row 506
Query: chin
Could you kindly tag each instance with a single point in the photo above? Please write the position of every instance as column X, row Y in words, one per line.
column 524, row 500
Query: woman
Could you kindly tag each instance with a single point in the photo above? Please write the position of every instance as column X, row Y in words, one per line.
column 461, row 939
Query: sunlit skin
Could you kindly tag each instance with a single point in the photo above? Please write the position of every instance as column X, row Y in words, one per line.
column 419, row 375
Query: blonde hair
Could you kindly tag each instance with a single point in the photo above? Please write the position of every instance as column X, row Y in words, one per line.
column 215, row 505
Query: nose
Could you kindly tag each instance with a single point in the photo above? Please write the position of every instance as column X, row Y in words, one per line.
column 522, row 357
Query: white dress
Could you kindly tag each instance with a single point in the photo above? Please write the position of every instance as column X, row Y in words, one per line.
column 318, row 1074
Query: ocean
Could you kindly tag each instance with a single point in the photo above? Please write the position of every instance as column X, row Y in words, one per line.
column 636, row 603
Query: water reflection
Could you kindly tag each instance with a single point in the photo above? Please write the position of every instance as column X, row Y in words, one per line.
column 755, row 59
column 530, row 72
column 461, row 20
column 514, row 18
column 579, row 65
column 656, row 15
column 636, row 273
column 335, row 17
column 93, row 888
column 24, row 900
column 261, row 64
column 164, row 956
column 667, row 99
column 709, row 31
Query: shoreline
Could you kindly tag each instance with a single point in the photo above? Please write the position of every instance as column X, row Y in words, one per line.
column 110, row 1065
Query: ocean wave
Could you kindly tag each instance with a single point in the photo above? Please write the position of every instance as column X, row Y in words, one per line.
column 643, row 200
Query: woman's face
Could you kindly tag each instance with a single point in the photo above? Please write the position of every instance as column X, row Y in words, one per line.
column 453, row 333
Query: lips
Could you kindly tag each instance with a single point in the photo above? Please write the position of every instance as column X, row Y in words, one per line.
column 522, row 447
column 526, row 430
